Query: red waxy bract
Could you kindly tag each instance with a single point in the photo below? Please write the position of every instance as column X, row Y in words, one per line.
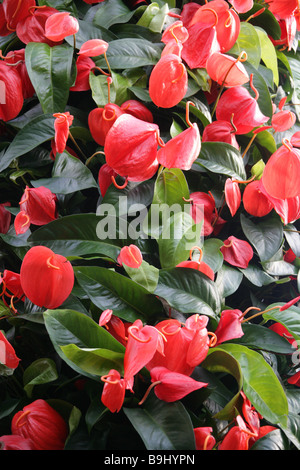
column 168, row 81
column 255, row 201
column 131, row 148
column 40, row 423
column 60, row 25
column 100, row 120
column 232, row 195
column 226, row 70
column 113, row 391
column 62, row 123
column 15, row 442
column 5, row 217
column 46, row 277
column 93, row 48
column 12, row 89
column 16, row 10
column 237, row 252
column 39, row 204
column 8, row 355
column 32, row 27
column 131, row 256
column 229, row 326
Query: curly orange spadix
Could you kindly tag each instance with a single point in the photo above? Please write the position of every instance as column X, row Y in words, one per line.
column 47, row 278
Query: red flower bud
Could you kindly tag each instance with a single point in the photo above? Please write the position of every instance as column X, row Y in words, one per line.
column 40, row 423
column 62, row 123
column 113, row 391
column 93, row 48
column 60, row 25
column 130, row 256
column 168, row 81
column 232, row 195
column 46, row 278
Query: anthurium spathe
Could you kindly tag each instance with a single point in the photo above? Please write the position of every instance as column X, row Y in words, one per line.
column 93, row 48
column 137, row 109
column 242, row 6
column 220, row 131
column 226, row 70
column 47, row 278
column 237, row 252
column 202, row 208
column 204, row 438
column 62, row 123
column 232, row 195
column 183, row 149
column 143, row 342
column 105, row 178
column 131, row 256
column 100, row 120
column 12, row 89
column 255, row 200
column 32, row 27
column 10, row 283
column 282, row 171
column 39, row 205
column 8, row 355
column 15, row 442
column 15, row 11
column 131, row 148
column 18, row 59
column 199, row 265
column 201, row 44
column 168, row 81
column 114, row 389
column 175, row 31
column 43, row 425
column 60, row 25
column 229, row 326
column 238, row 106
column 171, row 386
column 84, row 65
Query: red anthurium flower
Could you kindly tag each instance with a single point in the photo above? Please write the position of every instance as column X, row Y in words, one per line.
column 226, row 70
column 295, row 139
column 15, row 11
column 114, row 325
column 168, row 81
column 200, row 343
column 220, row 131
column 198, row 265
column 282, row 171
column 62, row 123
column 137, row 109
column 11, row 91
column 237, row 252
column 202, row 208
column 288, row 28
column 15, row 442
column 60, row 25
column 43, row 425
column 83, row 66
column 238, row 437
column 143, row 342
column 113, row 391
column 8, row 355
column 226, row 23
column 104, row 178
column 90, row 2
column 183, row 149
column 21, row 222
column 282, row 331
column 283, row 120
column 46, row 277
column 18, row 58
column 204, row 438
column 5, row 217
column 93, row 48
column 100, row 120
column 4, row 31
column 289, row 256
column 131, row 256
column 238, row 106
column 201, row 44
column 232, row 195
column 294, row 379
column 175, row 31
column 39, row 204
column 131, row 148
column 282, row 9
column 32, row 27
column 229, row 326
column 255, row 201
column 172, row 47
column 242, row 6
column 171, row 386
column 11, row 284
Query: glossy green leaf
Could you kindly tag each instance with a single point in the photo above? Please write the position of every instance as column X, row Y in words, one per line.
column 146, row 275
column 188, row 291
column 68, row 327
column 290, row 318
column 260, row 383
column 266, row 235
column 50, row 72
column 268, row 53
column 259, row 337
column 34, row 133
column 110, row 290
column 248, row 41
column 112, row 12
column 77, row 235
column 162, row 426
column 69, row 174
column 41, row 371
column 221, row 158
